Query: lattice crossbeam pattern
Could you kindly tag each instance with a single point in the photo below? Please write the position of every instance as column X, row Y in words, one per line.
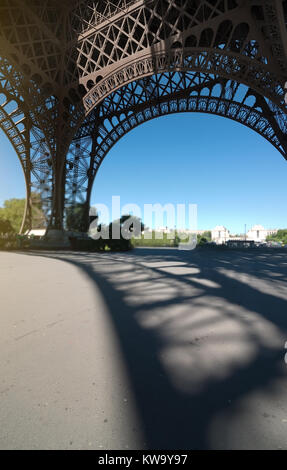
column 83, row 73
column 160, row 95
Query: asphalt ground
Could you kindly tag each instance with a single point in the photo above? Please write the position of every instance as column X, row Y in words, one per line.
column 150, row 349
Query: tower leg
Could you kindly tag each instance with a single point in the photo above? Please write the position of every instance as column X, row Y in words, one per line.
column 56, row 237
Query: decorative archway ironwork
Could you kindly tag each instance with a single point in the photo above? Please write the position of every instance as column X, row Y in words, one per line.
column 153, row 97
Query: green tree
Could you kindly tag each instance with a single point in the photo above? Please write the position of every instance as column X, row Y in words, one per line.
column 134, row 224
column 207, row 235
column 76, row 218
column 129, row 226
column 201, row 240
column 280, row 236
column 13, row 211
column 6, row 227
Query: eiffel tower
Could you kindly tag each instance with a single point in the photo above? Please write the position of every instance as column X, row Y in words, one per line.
column 77, row 75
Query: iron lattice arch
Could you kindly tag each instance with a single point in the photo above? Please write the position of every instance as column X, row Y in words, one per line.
column 77, row 76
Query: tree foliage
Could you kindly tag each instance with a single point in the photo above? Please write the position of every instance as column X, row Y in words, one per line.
column 280, row 236
column 76, row 218
column 6, row 227
column 201, row 240
column 130, row 226
column 207, row 235
column 13, row 211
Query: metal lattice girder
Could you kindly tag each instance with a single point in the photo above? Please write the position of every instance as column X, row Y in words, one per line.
column 29, row 144
column 73, row 66
column 157, row 96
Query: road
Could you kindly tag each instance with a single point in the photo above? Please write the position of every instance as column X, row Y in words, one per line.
column 150, row 349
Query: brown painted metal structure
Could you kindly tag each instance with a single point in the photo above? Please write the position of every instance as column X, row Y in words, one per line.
column 75, row 76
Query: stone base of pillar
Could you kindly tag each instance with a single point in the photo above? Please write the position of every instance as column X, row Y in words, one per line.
column 53, row 239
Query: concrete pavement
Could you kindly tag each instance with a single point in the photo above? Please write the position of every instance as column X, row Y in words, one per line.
column 146, row 349
column 63, row 383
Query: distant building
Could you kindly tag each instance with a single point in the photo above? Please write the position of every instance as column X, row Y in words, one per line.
column 188, row 231
column 164, row 229
column 220, row 235
column 172, row 230
column 259, row 234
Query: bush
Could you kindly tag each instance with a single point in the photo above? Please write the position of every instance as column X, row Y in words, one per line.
column 201, row 241
column 89, row 244
column 6, row 227
column 8, row 241
column 8, row 237
column 165, row 241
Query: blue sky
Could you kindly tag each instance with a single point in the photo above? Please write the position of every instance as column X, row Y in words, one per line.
column 233, row 175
